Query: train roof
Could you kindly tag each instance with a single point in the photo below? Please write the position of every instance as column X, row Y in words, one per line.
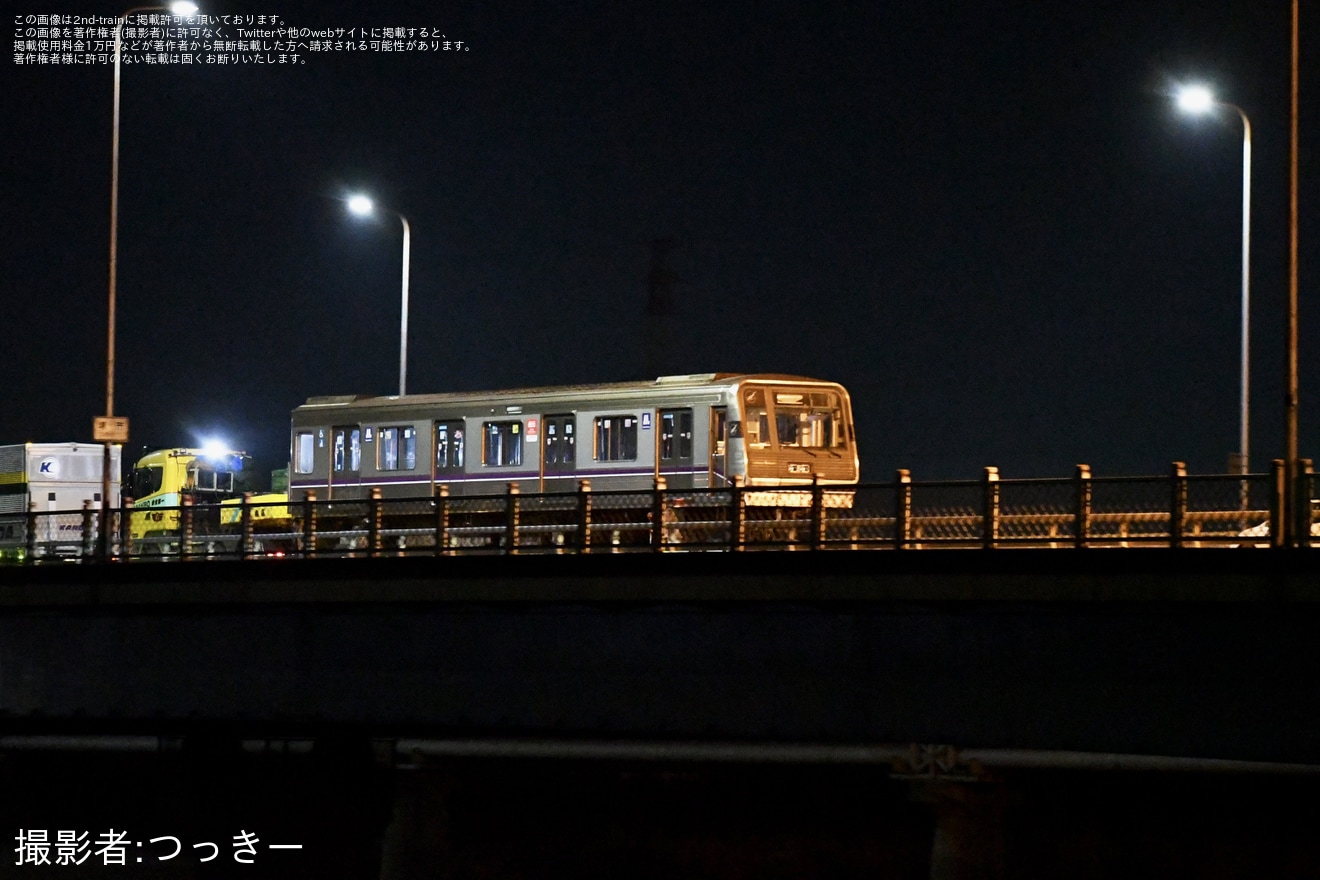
column 605, row 389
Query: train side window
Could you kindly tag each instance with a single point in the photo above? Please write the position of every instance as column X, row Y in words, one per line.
column 304, row 452
column 396, row 449
column 616, row 438
column 502, row 444
column 448, row 447
column 347, row 449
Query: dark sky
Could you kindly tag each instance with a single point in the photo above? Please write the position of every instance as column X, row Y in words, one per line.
column 984, row 219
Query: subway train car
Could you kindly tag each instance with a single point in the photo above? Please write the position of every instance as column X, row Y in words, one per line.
column 697, row 431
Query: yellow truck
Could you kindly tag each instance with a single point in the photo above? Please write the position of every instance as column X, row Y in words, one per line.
column 210, row 481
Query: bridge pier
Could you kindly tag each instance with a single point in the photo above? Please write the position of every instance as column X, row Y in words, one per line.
column 416, row 840
column 970, row 835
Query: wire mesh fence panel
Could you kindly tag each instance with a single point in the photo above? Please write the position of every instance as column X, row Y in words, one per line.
column 868, row 521
column 774, row 528
column 63, row 535
column 1037, row 512
column 474, row 524
column 1225, row 509
column 947, row 513
column 545, row 524
column 697, row 520
column 396, row 524
column 1130, row 511
column 13, row 539
column 620, row 521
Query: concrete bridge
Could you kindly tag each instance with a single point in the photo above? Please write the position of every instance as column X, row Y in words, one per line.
column 943, row 672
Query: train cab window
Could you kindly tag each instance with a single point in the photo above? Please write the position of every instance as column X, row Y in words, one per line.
column 560, row 441
column 811, row 420
column 348, row 449
column 396, row 449
column 448, row 447
column 616, row 438
column 304, row 452
column 756, row 429
column 756, row 418
column 676, row 435
column 501, row 444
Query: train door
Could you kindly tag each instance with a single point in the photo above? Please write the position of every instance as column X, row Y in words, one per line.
column 674, row 455
column 345, row 458
column 558, row 449
column 450, row 455
column 719, row 436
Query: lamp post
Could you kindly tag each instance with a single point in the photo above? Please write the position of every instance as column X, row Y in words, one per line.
column 110, row 430
column 1199, row 100
column 1297, row 523
column 363, row 206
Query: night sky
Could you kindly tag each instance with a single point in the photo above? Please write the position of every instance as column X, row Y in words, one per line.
column 986, row 220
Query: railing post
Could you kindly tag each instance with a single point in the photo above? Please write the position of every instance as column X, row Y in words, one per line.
column 1082, row 506
column 902, row 509
column 89, row 536
column 442, row 519
column 373, row 523
column 584, row 516
column 309, row 524
column 30, row 553
column 658, row 515
column 185, row 526
column 737, row 514
column 1278, row 498
column 990, row 510
column 512, row 520
column 1305, row 489
column 245, row 543
column 817, row 513
column 125, row 527
column 1177, row 504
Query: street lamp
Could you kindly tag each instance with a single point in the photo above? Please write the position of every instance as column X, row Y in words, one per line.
column 363, row 207
column 1198, row 100
column 109, row 429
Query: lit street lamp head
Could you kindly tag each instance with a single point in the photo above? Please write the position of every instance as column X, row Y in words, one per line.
column 1195, row 99
column 184, row 9
column 360, row 205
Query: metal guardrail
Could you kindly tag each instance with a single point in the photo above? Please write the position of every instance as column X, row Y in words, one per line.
column 1176, row 510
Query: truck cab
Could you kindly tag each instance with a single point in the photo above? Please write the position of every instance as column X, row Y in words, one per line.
column 162, row 480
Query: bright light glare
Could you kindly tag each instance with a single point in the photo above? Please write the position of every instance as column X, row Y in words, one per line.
column 1195, row 99
column 360, row 205
column 214, row 448
column 184, row 9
